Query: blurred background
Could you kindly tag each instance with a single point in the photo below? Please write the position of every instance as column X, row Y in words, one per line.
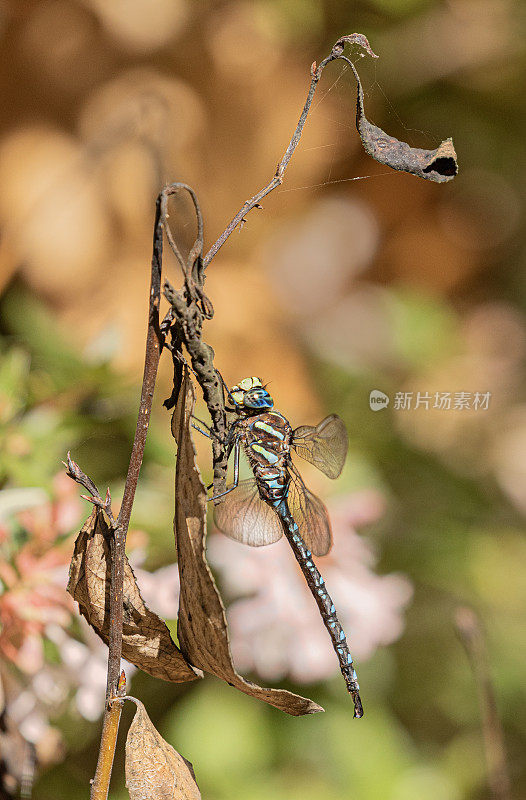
column 352, row 279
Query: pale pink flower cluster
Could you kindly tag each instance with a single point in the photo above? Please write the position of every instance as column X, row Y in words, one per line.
column 275, row 627
column 160, row 589
column 35, row 608
column 30, row 596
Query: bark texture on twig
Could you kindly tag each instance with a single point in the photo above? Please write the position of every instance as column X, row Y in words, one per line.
column 119, row 527
column 154, row 342
column 110, row 730
column 190, row 307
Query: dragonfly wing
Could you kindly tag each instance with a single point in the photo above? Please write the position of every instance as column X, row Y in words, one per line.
column 310, row 515
column 244, row 516
column 325, row 446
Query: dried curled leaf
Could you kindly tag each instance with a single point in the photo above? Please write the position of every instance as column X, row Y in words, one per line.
column 146, row 640
column 154, row 770
column 202, row 628
column 438, row 165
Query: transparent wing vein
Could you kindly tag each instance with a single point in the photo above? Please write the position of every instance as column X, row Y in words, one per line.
column 325, row 445
column 242, row 515
column 310, row 515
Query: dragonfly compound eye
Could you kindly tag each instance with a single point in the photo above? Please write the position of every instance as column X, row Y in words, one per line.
column 258, row 399
column 251, row 394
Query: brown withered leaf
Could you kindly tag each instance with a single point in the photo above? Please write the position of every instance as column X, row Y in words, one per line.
column 438, row 165
column 202, row 627
column 146, row 640
column 154, row 770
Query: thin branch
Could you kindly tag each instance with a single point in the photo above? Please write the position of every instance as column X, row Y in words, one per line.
column 277, row 180
column 110, row 729
column 74, row 472
column 191, row 307
column 154, row 343
column 472, row 637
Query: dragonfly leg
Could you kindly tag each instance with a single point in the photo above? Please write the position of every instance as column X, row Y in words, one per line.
column 196, row 428
column 236, row 474
column 207, row 432
column 179, row 356
column 226, row 392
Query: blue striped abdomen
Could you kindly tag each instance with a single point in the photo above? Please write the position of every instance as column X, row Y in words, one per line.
column 324, row 602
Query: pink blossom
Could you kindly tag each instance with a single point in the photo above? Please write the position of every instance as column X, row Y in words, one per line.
column 46, row 522
column 32, row 594
column 35, row 607
column 160, row 590
column 30, row 600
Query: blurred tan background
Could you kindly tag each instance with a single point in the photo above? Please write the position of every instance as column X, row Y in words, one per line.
column 352, row 278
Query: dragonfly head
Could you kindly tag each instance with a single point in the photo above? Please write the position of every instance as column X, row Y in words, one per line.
column 250, row 396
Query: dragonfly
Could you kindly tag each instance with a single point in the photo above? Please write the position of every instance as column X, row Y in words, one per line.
column 275, row 501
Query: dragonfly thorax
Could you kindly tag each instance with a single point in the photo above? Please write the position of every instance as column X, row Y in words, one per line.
column 250, row 397
column 266, row 440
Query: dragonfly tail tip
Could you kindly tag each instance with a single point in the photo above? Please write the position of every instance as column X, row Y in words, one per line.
column 358, row 708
